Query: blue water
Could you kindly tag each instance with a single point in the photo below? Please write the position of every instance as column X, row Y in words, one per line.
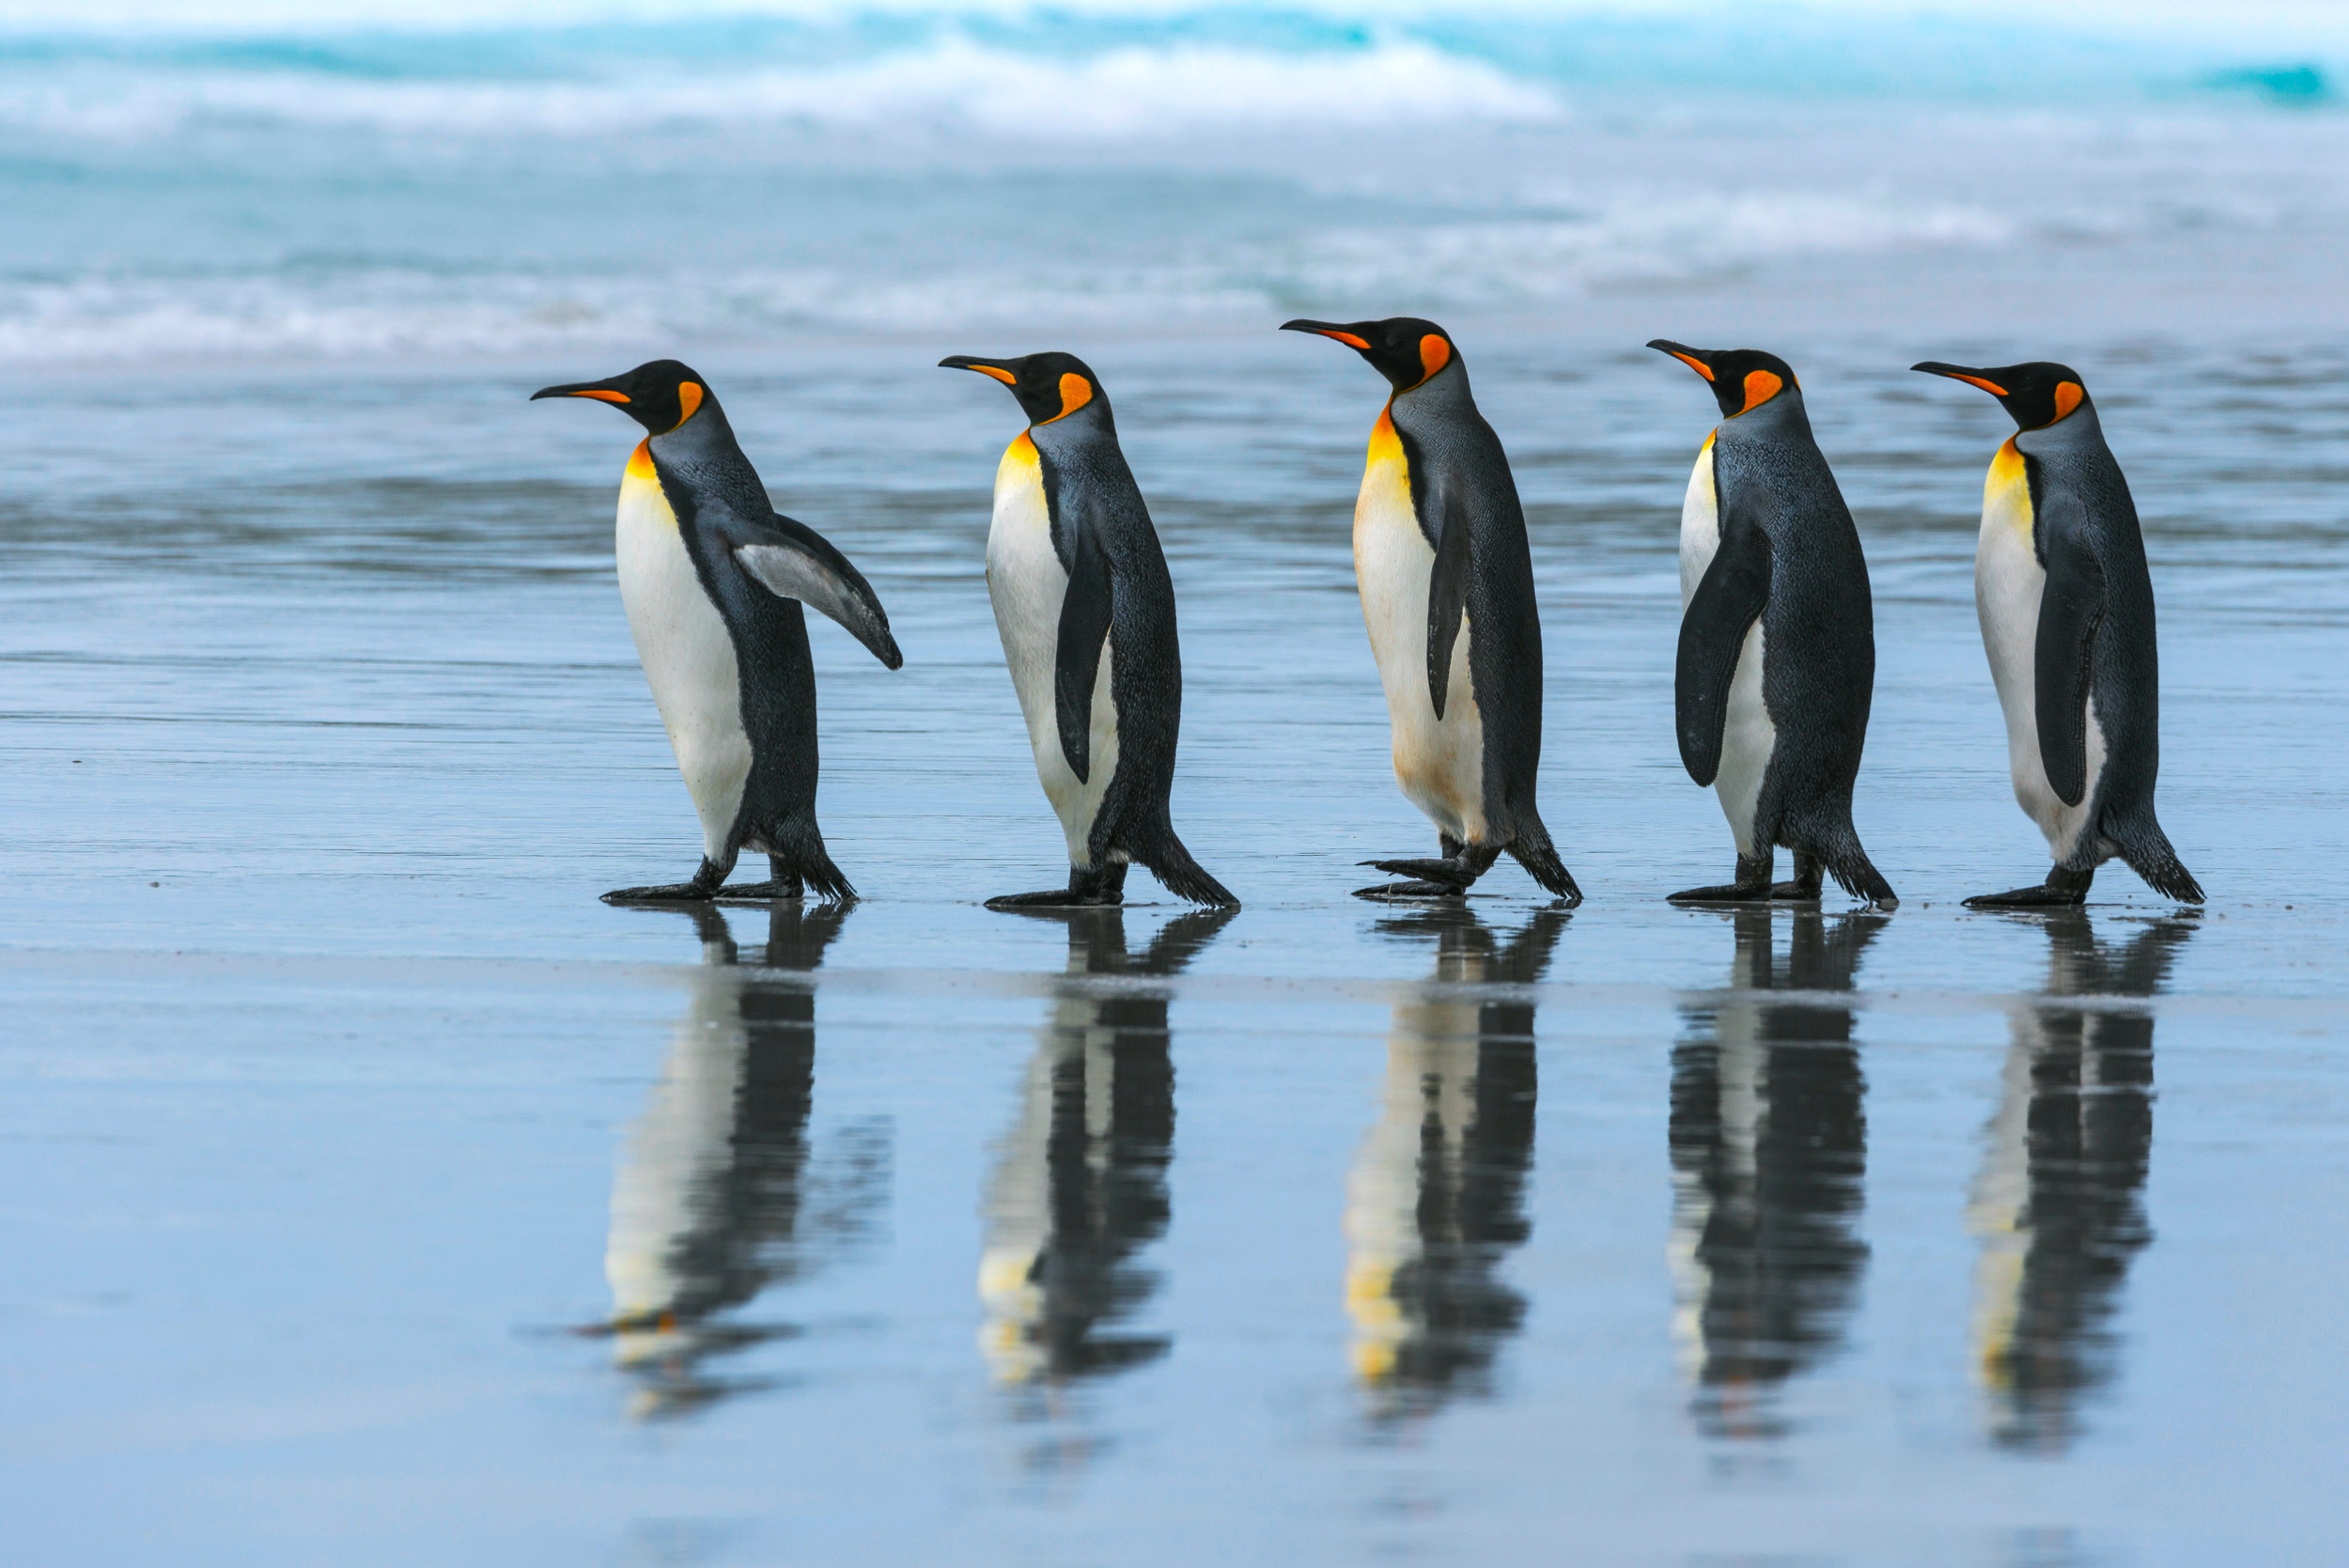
column 375, row 1194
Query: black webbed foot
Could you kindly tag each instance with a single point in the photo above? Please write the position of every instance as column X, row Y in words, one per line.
column 2062, row 889
column 783, row 887
column 1096, row 887
column 1452, row 872
column 1412, row 892
column 1794, row 892
column 1753, row 886
column 703, row 888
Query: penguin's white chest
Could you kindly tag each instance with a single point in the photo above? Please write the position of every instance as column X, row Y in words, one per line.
column 1438, row 762
column 1749, row 738
column 686, row 652
column 2009, row 583
column 1026, row 583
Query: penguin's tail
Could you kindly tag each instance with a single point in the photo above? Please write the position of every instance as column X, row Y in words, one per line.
column 2147, row 850
column 1183, row 877
column 1848, row 864
column 797, row 844
column 1532, row 849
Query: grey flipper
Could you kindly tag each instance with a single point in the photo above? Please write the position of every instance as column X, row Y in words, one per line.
column 1084, row 626
column 1727, row 602
column 2070, row 610
column 1447, row 591
column 792, row 561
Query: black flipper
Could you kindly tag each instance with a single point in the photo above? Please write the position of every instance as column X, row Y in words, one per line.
column 2070, row 611
column 1446, row 593
column 1084, row 626
column 791, row 560
column 1712, row 634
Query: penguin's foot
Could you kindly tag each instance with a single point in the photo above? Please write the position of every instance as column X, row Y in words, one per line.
column 673, row 892
column 762, row 892
column 2062, row 889
column 1452, row 871
column 1057, row 898
column 1753, row 886
column 1413, row 891
column 2040, row 897
column 1793, row 893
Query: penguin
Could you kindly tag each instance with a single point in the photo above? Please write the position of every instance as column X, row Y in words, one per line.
column 1778, row 652
column 1436, row 1201
column 2067, row 618
column 1080, row 1191
column 713, row 579
column 1086, row 610
column 1447, row 587
column 2059, row 1205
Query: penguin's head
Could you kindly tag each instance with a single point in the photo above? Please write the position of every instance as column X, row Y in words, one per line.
column 1407, row 351
column 1742, row 379
column 2037, row 395
column 1050, row 386
column 659, row 396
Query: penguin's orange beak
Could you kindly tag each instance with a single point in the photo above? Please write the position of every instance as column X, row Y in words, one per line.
column 1959, row 373
column 1329, row 330
column 602, row 392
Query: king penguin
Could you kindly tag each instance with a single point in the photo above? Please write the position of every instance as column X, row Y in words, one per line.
column 1446, row 586
column 1086, row 610
column 2067, row 618
column 713, row 578
column 1778, row 652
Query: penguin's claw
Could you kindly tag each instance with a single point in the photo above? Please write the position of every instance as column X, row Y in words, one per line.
column 1450, row 873
column 2039, row 897
column 673, row 893
column 1411, row 892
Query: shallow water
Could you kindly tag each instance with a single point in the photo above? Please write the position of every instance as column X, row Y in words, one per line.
column 377, row 1195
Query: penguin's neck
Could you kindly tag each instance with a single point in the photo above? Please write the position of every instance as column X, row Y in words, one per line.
column 703, row 443
column 1083, row 444
column 1781, row 419
column 1439, row 399
column 2075, row 436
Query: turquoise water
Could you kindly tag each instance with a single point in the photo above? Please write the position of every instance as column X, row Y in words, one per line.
column 377, row 1195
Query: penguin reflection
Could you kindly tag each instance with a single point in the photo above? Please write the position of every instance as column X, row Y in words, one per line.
column 2059, row 1205
column 1079, row 1184
column 1769, row 1153
column 713, row 1201
column 1437, row 1198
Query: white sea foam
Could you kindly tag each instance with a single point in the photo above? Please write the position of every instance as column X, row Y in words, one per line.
column 953, row 85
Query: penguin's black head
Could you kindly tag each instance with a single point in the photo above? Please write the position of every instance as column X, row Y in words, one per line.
column 1050, row 386
column 2037, row 395
column 1405, row 349
column 1742, row 379
column 659, row 396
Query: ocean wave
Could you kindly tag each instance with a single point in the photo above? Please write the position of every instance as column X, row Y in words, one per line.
column 1497, row 264
column 953, row 85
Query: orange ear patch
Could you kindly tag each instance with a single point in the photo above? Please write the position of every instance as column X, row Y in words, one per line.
column 1075, row 392
column 602, row 397
column 689, row 399
column 2068, row 395
column 1434, row 354
column 1761, row 386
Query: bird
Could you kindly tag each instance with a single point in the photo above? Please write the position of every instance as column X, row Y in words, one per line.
column 1086, row 610
column 2066, row 604
column 712, row 578
column 1777, row 660
column 1447, row 587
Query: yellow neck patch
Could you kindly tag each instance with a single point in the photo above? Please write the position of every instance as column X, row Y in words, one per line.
column 640, row 461
column 1385, row 445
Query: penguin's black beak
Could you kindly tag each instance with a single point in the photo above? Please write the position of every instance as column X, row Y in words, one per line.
column 1962, row 373
column 1698, row 360
column 1348, row 333
column 1006, row 373
column 602, row 392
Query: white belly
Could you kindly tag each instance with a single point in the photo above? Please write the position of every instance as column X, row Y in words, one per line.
column 1438, row 762
column 1748, row 738
column 688, row 655
column 1026, row 582
column 2009, row 583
